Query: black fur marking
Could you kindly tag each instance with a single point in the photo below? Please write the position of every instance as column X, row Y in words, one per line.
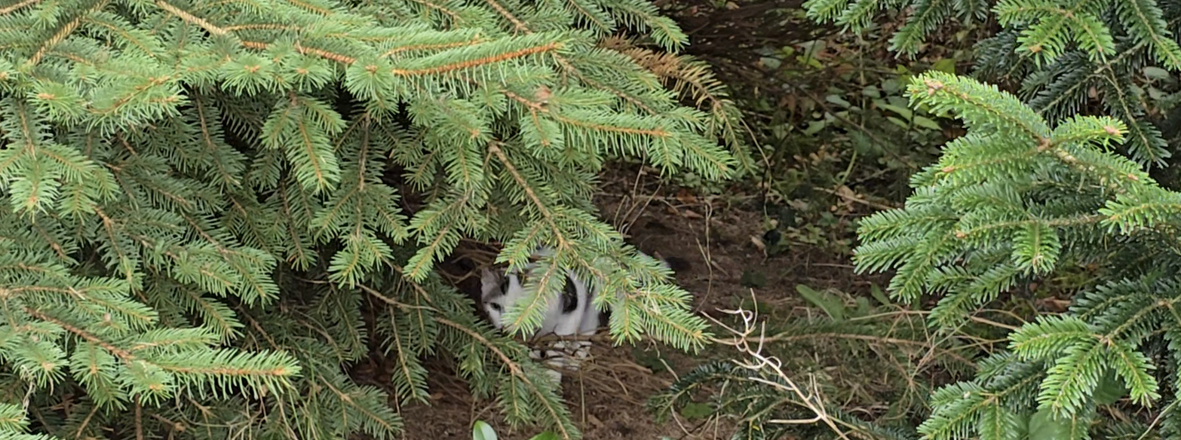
column 569, row 296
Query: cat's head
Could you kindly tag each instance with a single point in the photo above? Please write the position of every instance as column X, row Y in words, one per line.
column 498, row 291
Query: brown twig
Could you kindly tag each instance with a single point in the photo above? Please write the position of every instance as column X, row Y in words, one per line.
column 139, row 421
column 760, row 362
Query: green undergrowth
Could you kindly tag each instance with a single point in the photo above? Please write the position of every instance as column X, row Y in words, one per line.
column 836, row 139
column 868, row 363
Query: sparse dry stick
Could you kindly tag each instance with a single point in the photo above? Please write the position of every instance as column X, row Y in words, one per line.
column 86, row 421
column 858, row 200
column 139, row 420
column 783, row 337
column 760, row 362
column 707, row 254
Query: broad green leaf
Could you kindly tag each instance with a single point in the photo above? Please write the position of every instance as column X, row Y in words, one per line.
column 482, row 431
column 838, row 100
column 696, row 410
column 815, row 127
column 945, row 65
column 901, row 111
column 926, row 123
column 834, row 307
column 879, row 295
column 1154, row 72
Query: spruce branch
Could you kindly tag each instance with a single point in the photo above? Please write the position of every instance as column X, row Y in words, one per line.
column 64, row 31
column 10, row 9
column 263, row 372
column 202, row 168
column 189, row 18
column 459, row 20
column 1014, row 221
column 562, row 244
column 569, row 67
column 392, row 52
column 520, row 26
column 482, row 61
column 515, row 369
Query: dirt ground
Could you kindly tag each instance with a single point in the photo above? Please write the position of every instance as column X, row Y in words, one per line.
column 607, row 398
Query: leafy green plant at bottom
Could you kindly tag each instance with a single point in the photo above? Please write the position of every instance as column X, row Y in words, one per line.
column 481, row 430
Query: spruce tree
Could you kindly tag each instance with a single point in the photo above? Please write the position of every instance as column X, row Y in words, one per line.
column 1012, row 213
column 1063, row 57
column 203, row 203
column 1018, row 200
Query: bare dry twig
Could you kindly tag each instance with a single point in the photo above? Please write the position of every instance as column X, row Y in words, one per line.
column 809, row 398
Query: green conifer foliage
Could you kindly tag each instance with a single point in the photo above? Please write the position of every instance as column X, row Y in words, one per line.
column 203, row 203
column 1017, row 199
column 1067, row 57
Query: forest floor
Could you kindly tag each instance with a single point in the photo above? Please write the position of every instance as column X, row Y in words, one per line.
column 608, row 397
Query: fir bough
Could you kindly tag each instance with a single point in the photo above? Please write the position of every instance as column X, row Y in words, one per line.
column 208, row 210
column 1066, row 57
column 1018, row 199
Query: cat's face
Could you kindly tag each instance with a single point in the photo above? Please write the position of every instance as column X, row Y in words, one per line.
column 498, row 292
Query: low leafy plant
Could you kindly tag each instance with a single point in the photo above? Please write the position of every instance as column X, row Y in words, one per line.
column 481, row 430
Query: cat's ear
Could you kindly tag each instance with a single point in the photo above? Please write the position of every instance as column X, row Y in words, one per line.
column 488, row 277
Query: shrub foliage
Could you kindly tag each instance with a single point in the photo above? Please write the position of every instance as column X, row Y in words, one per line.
column 1110, row 57
column 209, row 209
column 1018, row 199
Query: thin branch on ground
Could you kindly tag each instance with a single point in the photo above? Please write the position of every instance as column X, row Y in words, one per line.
column 759, row 362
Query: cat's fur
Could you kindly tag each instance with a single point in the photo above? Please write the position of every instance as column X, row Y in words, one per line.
column 572, row 314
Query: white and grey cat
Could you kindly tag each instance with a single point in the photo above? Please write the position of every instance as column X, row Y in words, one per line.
column 572, row 314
